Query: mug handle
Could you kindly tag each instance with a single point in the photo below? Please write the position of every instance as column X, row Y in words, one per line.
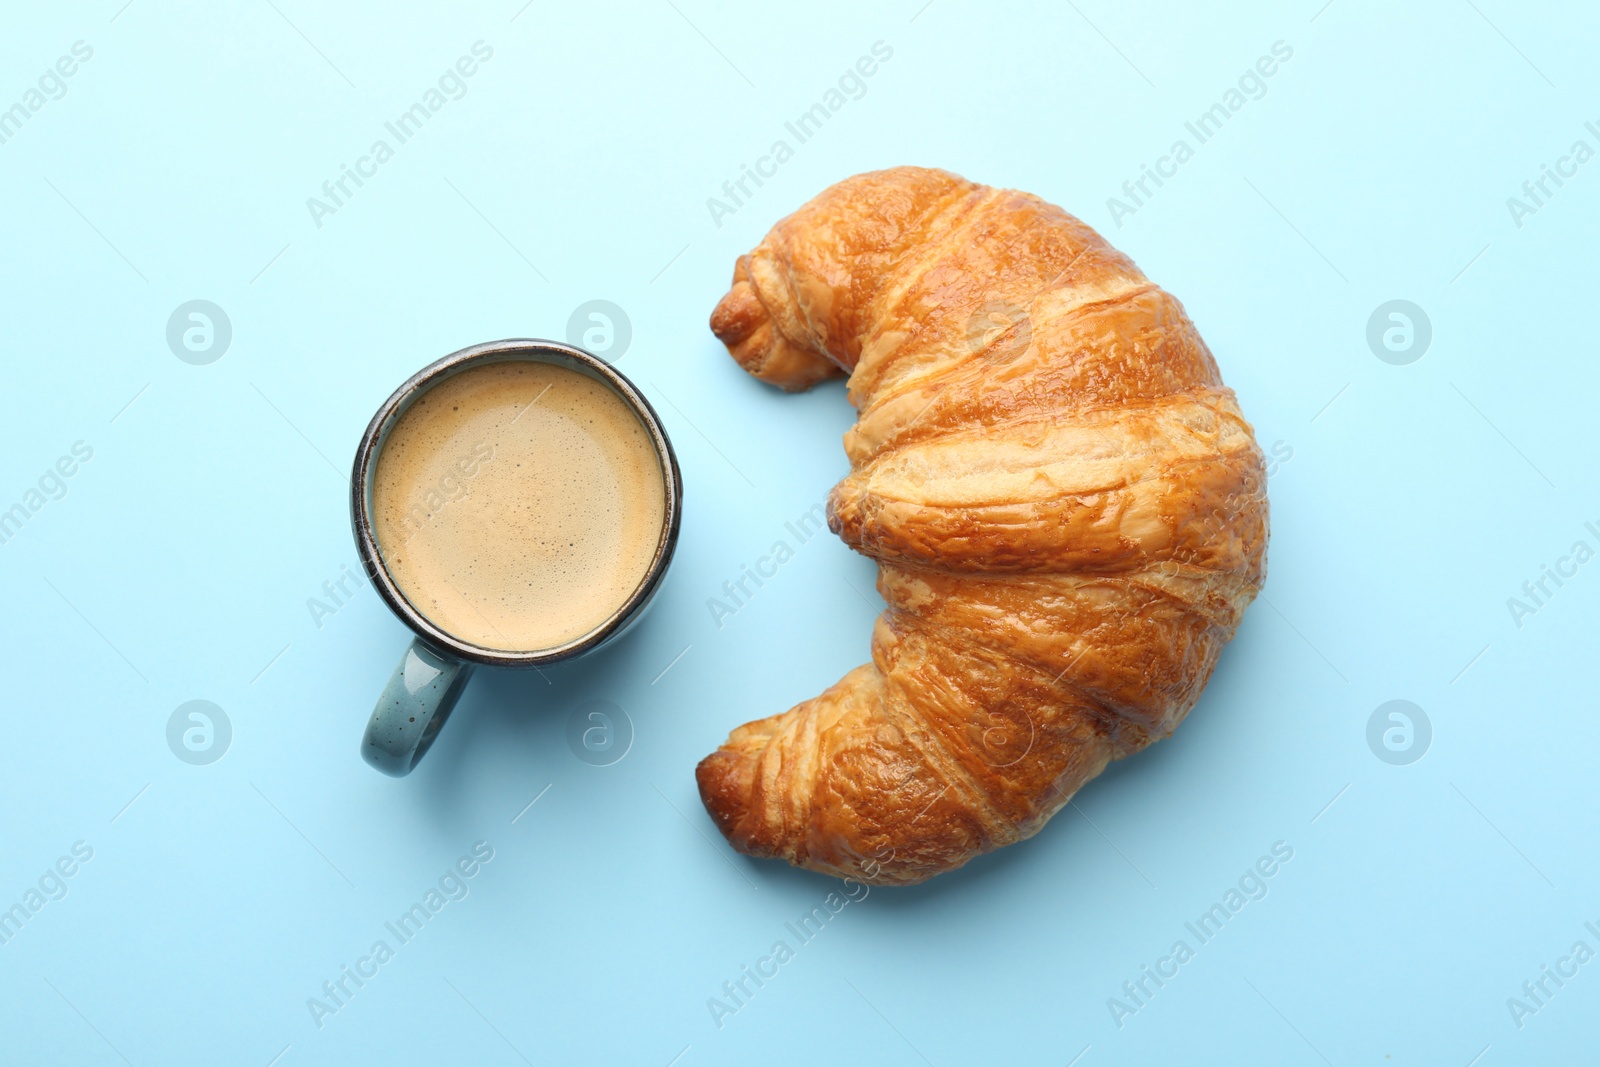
column 414, row 705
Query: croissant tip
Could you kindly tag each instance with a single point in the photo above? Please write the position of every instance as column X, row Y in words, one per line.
column 720, row 791
column 737, row 314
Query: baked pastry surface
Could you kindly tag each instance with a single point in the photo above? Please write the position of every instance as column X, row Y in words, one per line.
column 1067, row 509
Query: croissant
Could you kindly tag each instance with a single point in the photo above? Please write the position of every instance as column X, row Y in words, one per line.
column 1067, row 509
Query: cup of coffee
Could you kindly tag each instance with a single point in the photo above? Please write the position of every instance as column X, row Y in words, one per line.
column 515, row 504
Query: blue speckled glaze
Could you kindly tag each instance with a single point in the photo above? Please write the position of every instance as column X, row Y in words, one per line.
column 418, row 699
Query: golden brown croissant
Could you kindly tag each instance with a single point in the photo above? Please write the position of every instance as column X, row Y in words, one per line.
column 1067, row 509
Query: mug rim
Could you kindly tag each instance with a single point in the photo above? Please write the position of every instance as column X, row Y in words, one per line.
column 509, row 350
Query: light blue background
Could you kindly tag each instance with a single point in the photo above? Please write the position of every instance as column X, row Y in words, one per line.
column 179, row 563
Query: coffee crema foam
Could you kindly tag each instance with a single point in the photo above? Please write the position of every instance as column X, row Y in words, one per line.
column 518, row 505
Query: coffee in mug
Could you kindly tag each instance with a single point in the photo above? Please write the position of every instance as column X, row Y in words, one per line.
column 515, row 504
column 518, row 504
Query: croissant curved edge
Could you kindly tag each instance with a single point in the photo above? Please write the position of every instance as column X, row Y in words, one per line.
column 1067, row 509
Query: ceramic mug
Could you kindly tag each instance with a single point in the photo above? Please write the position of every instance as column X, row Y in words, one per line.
column 435, row 668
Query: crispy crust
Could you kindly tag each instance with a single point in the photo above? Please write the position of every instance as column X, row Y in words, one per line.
column 1067, row 508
